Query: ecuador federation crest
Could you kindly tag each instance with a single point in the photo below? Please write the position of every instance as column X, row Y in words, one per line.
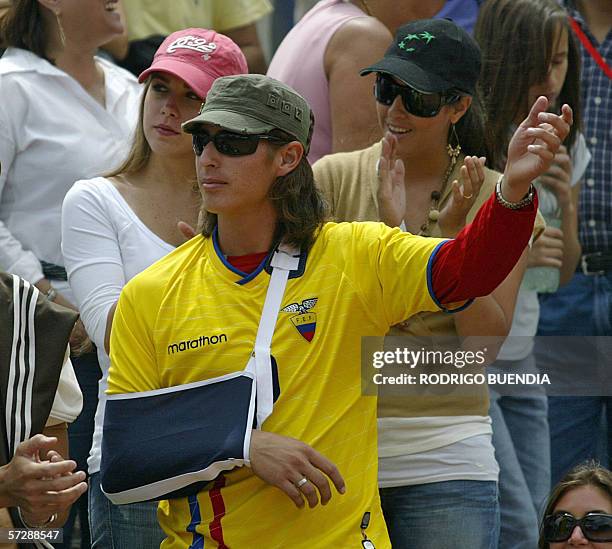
column 304, row 320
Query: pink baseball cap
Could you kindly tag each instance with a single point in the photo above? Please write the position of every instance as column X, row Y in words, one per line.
column 199, row 57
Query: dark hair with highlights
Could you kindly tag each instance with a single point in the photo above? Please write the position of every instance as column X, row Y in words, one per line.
column 589, row 473
column 516, row 38
column 299, row 204
column 23, row 27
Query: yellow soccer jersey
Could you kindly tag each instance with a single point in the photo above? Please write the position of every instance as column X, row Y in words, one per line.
column 191, row 316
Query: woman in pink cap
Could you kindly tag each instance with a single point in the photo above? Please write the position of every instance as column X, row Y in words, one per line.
column 113, row 227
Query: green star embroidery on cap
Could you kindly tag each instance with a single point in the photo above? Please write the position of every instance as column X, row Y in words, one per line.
column 426, row 36
column 403, row 46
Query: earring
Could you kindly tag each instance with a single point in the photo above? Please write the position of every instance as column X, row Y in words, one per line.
column 453, row 150
column 60, row 28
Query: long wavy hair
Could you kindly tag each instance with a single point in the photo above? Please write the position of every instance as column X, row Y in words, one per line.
column 589, row 473
column 516, row 38
column 140, row 151
column 300, row 206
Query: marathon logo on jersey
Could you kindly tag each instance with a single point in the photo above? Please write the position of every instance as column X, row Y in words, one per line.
column 202, row 341
column 305, row 322
column 193, row 43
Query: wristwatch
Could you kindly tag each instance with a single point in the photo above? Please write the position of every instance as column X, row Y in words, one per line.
column 525, row 201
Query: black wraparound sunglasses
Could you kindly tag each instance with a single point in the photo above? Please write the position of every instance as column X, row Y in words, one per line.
column 594, row 526
column 230, row 143
column 423, row 105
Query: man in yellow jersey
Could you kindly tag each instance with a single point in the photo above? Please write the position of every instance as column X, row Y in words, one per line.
column 235, row 390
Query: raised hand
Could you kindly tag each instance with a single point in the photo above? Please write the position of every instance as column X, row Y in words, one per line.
column 284, row 462
column 463, row 195
column 533, row 147
column 391, row 189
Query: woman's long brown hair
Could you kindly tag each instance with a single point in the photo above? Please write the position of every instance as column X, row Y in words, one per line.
column 516, row 38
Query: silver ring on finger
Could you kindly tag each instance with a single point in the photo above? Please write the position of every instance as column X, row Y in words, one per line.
column 301, row 482
column 467, row 197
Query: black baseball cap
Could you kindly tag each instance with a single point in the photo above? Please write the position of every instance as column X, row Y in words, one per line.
column 432, row 56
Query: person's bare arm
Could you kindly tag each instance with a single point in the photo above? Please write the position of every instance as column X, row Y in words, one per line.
column 57, row 451
column 248, row 40
column 109, row 325
column 356, row 45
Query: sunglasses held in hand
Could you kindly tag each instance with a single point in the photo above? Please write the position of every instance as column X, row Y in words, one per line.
column 423, row 105
column 230, row 143
column 595, row 527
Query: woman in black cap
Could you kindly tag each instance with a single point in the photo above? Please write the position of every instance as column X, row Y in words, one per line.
column 437, row 469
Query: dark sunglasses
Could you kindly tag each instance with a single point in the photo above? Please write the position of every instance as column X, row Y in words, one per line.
column 231, row 144
column 423, row 105
column 594, row 526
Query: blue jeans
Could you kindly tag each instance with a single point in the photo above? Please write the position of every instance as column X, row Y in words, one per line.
column 121, row 526
column 80, row 434
column 522, row 449
column 455, row 514
column 580, row 426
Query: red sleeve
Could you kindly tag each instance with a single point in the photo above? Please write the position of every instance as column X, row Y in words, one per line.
column 484, row 252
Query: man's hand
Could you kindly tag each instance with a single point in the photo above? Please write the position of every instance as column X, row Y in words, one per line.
column 391, row 188
column 533, row 147
column 547, row 251
column 453, row 217
column 40, row 488
column 282, row 462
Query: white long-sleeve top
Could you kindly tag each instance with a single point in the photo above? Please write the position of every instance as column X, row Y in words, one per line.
column 52, row 133
column 104, row 244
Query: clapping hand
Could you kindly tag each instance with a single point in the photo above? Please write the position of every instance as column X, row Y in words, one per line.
column 533, row 147
column 453, row 216
column 40, row 488
column 391, row 188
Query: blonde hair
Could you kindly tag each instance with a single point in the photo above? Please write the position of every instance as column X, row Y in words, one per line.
column 140, row 152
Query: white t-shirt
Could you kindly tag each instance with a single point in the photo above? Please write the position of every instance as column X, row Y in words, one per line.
column 52, row 132
column 68, row 401
column 104, row 245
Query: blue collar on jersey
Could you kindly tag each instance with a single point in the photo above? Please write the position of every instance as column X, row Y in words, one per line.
column 265, row 264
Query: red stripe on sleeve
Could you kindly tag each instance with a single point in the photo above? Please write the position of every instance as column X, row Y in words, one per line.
column 218, row 506
column 484, row 252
